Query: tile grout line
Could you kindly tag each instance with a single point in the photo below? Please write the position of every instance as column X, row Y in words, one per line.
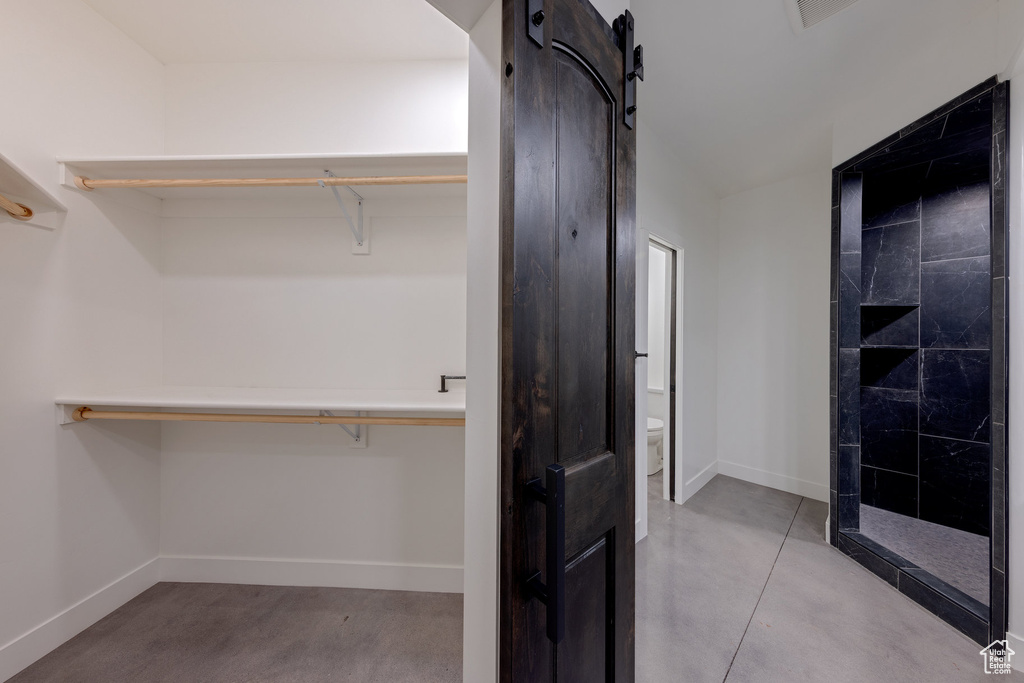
column 765, row 586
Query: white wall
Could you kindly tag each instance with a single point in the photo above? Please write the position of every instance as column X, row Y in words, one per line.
column 674, row 204
column 303, row 107
column 79, row 509
column 268, row 293
column 773, row 335
column 483, row 399
column 272, row 296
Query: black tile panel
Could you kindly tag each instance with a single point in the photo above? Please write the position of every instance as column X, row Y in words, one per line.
column 884, row 553
column 888, row 431
column 1000, row 249
column 850, row 221
column 925, row 152
column 928, row 118
column 956, row 304
column 890, row 266
column 849, row 301
column 889, row 326
column 851, row 163
column 869, row 560
column 976, row 114
column 894, row 197
column 955, row 222
column 972, row 605
column 1000, row 105
column 889, row 368
column 849, row 470
column 959, row 170
column 999, row 499
column 999, row 204
column 954, row 486
column 955, row 394
column 849, row 396
column 887, row 490
column 833, row 467
column 945, row 109
column 834, row 269
column 999, row 365
column 834, row 346
column 849, row 512
column 997, row 611
column 953, row 614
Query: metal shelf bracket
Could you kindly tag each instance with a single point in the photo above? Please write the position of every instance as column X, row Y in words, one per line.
column 359, row 434
column 361, row 236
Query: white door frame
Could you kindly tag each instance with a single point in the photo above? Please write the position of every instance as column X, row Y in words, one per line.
column 644, row 238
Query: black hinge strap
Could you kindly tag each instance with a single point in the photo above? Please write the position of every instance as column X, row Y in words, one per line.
column 633, row 65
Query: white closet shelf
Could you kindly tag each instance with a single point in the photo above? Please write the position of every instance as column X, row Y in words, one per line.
column 15, row 185
column 259, row 166
column 219, row 399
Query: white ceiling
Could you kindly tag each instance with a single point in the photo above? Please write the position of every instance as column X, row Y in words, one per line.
column 197, row 31
column 745, row 101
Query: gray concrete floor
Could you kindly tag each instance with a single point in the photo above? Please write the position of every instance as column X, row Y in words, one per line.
column 184, row 633
column 736, row 585
column 739, row 585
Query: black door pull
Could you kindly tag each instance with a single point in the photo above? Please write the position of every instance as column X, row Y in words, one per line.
column 552, row 594
column 641, row 355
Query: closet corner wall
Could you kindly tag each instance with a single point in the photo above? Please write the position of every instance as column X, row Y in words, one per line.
column 301, row 302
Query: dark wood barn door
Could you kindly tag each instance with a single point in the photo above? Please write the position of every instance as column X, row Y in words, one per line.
column 568, row 347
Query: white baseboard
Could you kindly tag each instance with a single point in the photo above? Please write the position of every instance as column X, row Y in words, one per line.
column 322, row 573
column 1016, row 643
column 54, row 632
column 697, row 482
column 781, row 482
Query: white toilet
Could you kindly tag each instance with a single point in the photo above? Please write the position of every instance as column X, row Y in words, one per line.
column 655, row 438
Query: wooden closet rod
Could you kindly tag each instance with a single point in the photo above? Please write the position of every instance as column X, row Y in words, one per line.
column 19, row 211
column 83, row 414
column 96, row 183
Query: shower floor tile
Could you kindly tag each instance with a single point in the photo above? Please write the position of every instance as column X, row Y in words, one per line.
column 959, row 558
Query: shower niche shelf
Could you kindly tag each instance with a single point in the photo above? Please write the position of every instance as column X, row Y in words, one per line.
column 890, row 326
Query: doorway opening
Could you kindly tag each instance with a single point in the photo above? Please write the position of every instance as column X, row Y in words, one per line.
column 664, row 299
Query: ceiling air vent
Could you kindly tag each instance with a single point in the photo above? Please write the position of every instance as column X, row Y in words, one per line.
column 806, row 13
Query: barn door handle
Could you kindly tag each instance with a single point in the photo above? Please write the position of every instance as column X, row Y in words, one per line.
column 552, row 594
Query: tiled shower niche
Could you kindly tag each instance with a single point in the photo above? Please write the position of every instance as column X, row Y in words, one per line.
column 918, row 369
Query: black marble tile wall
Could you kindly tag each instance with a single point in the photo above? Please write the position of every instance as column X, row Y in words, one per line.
column 849, row 469
column 956, row 304
column 893, row 196
column 849, row 396
column 887, row 490
column 955, row 484
column 891, row 264
column 850, row 222
column 849, row 300
column 918, row 379
column 851, row 208
column 888, row 429
column 889, row 326
column 955, row 222
column 955, row 401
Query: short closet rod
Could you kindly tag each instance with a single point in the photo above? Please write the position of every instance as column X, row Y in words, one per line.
column 19, row 211
column 83, row 414
column 84, row 183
